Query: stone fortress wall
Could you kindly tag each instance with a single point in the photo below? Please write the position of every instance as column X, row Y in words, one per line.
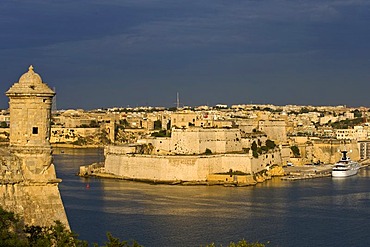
column 174, row 168
column 275, row 129
column 197, row 140
column 182, row 167
column 182, row 156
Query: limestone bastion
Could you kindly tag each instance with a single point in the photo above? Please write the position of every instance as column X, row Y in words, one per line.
column 184, row 157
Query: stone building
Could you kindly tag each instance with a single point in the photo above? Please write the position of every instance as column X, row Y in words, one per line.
column 28, row 183
column 364, row 149
column 275, row 129
column 358, row 133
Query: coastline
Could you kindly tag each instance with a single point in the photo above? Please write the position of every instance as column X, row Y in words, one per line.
column 289, row 173
column 69, row 145
column 97, row 170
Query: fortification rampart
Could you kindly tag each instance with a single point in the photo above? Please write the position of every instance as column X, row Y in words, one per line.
column 182, row 167
column 174, row 168
column 275, row 129
column 198, row 140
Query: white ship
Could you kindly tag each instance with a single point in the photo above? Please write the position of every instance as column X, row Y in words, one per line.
column 345, row 167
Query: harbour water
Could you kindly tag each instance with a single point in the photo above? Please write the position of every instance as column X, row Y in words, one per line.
column 317, row 212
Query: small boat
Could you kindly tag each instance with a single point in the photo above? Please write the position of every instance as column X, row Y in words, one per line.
column 345, row 167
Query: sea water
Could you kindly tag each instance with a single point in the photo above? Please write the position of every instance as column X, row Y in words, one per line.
column 317, row 212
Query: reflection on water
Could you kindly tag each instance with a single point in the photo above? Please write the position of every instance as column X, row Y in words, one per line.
column 320, row 212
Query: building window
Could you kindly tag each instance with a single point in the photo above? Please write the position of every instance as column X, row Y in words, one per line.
column 35, row 130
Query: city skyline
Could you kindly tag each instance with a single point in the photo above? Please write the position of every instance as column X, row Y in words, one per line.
column 112, row 53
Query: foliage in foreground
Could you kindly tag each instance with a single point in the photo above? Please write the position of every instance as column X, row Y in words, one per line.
column 241, row 243
column 14, row 234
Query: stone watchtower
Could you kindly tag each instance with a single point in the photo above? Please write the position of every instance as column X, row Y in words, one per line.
column 29, row 185
column 30, row 114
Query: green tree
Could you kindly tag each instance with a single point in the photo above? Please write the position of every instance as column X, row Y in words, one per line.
column 161, row 133
column 241, row 243
column 11, row 233
column 357, row 113
column 94, row 124
column 304, row 110
column 157, row 124
column 172, row 109
column 80, row 141
column 124, row 123
column 254, row 149
column 56, row 235
column 104, row 137
column 254, row 146
column 345, row 124
column 295, row 151
column 3, row 125
column 116, row 242
column 168, row 125
column 270, row 144
column 208, row 151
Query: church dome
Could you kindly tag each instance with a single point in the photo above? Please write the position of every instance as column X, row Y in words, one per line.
column 30, row 77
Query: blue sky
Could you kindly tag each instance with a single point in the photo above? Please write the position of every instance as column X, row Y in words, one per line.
column 108, row 53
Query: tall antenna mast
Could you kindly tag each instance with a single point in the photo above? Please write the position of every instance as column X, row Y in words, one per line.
column 177, row 101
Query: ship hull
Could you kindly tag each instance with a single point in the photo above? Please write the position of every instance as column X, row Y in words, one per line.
column 347, row 173
column 345, row 170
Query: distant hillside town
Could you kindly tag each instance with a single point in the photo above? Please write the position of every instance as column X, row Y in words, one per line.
column 303, row 134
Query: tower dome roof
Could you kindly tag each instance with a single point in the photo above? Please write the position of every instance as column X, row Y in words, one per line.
column 30, row 83
column 30, row 77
